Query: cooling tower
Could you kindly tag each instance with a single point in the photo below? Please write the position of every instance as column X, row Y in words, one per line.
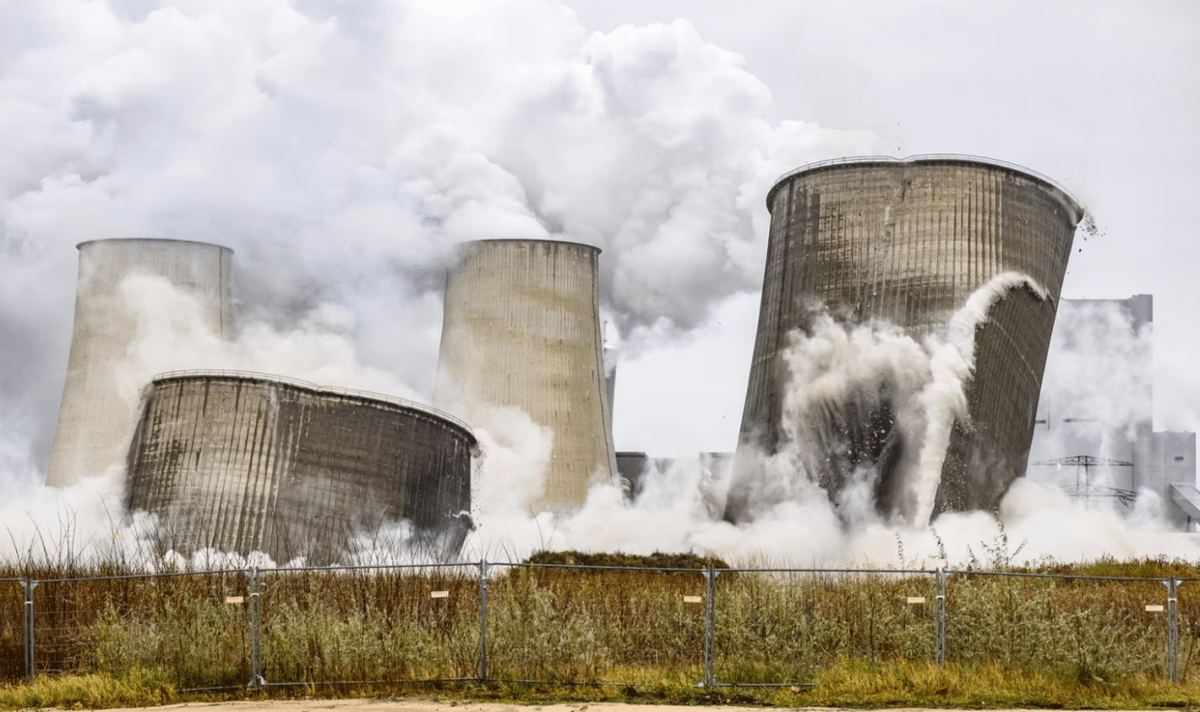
column 98, row 409
column 906, row 242
column 522, row 330
column 245, row 462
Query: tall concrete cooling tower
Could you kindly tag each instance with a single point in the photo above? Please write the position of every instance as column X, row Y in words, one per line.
column 522, row 329
column 245, row 462
column 96, row 418
column 907, row 242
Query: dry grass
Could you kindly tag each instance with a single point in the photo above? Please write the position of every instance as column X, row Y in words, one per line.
column 857, row 638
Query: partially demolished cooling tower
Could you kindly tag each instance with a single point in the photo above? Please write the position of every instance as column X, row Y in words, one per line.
column 243, row 462
column 522, row 330
column 99, row 405
column 907, row 242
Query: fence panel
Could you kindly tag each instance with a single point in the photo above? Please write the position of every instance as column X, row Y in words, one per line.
column 587, row 624
column 1089, row 628
column 178, row 626
column 580, row 624
column 12, row 631
column 1188, row 592
column 781, row 627
column 355, row 626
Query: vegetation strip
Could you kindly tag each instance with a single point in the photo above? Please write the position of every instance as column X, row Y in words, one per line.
column 107, row 637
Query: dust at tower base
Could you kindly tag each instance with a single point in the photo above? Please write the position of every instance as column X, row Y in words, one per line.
column 903, row 251
column 522, row 331
column 96, row 419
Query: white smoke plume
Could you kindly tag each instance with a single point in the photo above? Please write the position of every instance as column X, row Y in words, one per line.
column 1036, row 523
column 343, row 149
column 1100, row 370
column 1098, row 400
column 839, row 377
column 680, row 503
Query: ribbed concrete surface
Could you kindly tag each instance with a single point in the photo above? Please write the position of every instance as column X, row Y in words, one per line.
column 241, row 463
column 95, row 421
column 909, row 242
column 522, row 329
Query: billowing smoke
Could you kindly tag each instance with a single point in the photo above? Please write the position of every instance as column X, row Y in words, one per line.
column 1099, row 375
column 1098, row 402
column 800, row 520
column 342, row 150
column 867, row 414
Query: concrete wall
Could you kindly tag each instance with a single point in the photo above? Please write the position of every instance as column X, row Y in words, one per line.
column 1162, row 459
column 1102, row 406
column 244, row 462
column 96, row 418
column 522, row 329
column 908, row 242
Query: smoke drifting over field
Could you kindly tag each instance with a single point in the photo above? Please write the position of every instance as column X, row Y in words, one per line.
column 342, row 150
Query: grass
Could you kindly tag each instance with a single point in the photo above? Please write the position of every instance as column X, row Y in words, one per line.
column 906, row 684
column 582, row 635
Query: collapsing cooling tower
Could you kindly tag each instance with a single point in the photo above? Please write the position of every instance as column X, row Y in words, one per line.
column 522, row 329
column 907, row 242
column 246, row 462
column 96, row 418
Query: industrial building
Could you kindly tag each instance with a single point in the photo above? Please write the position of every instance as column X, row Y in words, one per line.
column 242, row 462
column 521, row 329
column 907, row 242
column 96, row 418
column 1094, row 432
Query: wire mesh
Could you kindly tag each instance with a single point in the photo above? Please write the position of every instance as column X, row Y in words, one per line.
column 595, row 625
column 589, row 624
column 12, row 631
column 181, row 627
column 1092, row 628
column 355, row 626
column 1188, row 594
column 782, row 627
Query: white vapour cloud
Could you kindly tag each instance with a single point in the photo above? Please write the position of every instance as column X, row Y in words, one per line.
column 1100, row 367
column 343, row 149
column 872, row 376
column 1036, row 523
column 799, row 524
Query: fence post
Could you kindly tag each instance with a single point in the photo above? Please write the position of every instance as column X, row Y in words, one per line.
column 1172, row 628
column 483, row 568
column 27, row 586
column 256, row 680
column 710, row 614
column 939, row 643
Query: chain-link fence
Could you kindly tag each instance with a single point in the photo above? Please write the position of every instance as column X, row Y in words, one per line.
column 564, row 624
column 13, row 646
column 780, row 626
column 604, row 624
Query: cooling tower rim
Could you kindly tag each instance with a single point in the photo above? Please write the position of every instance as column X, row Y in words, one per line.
column 165, row 240
column 1069, row 201
column 532, row 241
column 369, row 397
